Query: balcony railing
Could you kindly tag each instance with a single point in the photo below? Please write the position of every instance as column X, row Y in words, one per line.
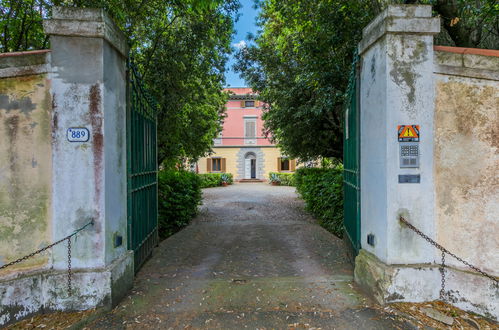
column 236, row 140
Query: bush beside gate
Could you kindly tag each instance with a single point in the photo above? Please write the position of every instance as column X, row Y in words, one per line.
column 284, row 179
column 322, row 190
column 209, row 180
column 179, row 197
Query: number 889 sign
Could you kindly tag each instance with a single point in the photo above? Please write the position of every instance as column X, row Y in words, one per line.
column 78, row 134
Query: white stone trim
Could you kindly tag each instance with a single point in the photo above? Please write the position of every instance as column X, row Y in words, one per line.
column 91, row 23
column 400, row 19
column 466, row 65
column 421, row 282
column 47, row 289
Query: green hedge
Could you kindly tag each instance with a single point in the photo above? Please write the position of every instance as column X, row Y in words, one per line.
column 322, row 190
column 179, row 197
column 285, row 179
column 209, row 180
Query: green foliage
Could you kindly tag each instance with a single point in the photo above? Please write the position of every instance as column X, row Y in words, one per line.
column 21, row 25
column 180, row 46
column 209, row 180
column 179, row 197
column 300, row 60
column 322, row 190
column 274, row 178
column 226, row 178
column 284, row 179
column 468, row 23
column 299, row 64
column 184, row 67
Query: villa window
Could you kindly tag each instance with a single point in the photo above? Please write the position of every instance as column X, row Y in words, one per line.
column 250, row 130
column 249, row 104
column 284, row 164
column 215, row 164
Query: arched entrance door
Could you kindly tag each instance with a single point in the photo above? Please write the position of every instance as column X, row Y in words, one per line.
column 250, row 166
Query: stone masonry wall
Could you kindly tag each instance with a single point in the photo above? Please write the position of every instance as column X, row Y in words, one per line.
column 467, row 159
column 25, row 159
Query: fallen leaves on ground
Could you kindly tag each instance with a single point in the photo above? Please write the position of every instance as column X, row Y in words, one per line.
column 462, row 320
column 57, row 320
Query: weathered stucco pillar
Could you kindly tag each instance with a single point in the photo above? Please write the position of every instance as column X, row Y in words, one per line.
column 89, row 56
column 64, row 116
column 397, row 89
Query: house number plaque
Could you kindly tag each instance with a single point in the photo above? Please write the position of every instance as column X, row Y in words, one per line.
column 78, row 134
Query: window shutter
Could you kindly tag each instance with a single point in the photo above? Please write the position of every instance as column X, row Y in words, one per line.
column 242, row 104
column 257, row 104
column 250, row 129
column 292, row 165
column 208, row 164
column 278, row 164
column 222, row 165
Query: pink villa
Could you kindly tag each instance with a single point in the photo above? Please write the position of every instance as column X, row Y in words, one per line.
column 241, row 148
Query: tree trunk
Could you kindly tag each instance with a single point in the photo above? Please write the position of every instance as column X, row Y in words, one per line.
column 459, row 33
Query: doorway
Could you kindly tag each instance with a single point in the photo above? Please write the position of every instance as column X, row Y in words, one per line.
column 250, row 166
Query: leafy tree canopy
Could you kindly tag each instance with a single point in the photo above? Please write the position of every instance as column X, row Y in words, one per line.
column 468, row 23
column 180, row 46
column 300, row 62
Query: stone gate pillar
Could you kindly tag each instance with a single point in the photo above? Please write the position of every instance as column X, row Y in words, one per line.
column 396, row 86
column 64, row 118
column 88, row 78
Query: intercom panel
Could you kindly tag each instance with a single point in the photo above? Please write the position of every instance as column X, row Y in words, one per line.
column 409, row 154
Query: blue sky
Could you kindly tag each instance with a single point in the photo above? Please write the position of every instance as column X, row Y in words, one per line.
column 245, row 25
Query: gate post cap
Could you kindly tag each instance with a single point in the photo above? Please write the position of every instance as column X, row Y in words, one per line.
column 86, row 22
column 400, row 19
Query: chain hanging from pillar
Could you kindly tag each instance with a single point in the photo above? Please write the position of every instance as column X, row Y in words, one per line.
column 442, row 263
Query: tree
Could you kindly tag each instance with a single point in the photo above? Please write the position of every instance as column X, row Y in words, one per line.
column 21, row 25
column 180, row 46
column 184, row 66
column 300, row 62
column 470, row 23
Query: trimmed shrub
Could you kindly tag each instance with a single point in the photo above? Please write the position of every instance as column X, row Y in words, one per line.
column 285, row 179
column 322, row 191
column 179, row 196
column 209, row 180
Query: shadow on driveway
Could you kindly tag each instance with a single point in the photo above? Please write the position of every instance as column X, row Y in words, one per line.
column 253, row 258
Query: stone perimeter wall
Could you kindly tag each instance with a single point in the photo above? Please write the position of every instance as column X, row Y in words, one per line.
column 25, row 159
column 467, row 157
column 466, row 165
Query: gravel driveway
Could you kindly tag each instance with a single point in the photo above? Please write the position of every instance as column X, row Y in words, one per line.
column 253, row 258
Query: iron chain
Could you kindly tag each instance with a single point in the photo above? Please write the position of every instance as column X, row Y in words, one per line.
column 442, row 277
column 68, row 238
column 445, row 251
column 69, row 265
column 32, row 254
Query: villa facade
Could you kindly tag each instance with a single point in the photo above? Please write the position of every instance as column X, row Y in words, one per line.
column 241, row 148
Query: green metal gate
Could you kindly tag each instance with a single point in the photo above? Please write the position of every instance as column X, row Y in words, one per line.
column 351, row 160
column 142, row 169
